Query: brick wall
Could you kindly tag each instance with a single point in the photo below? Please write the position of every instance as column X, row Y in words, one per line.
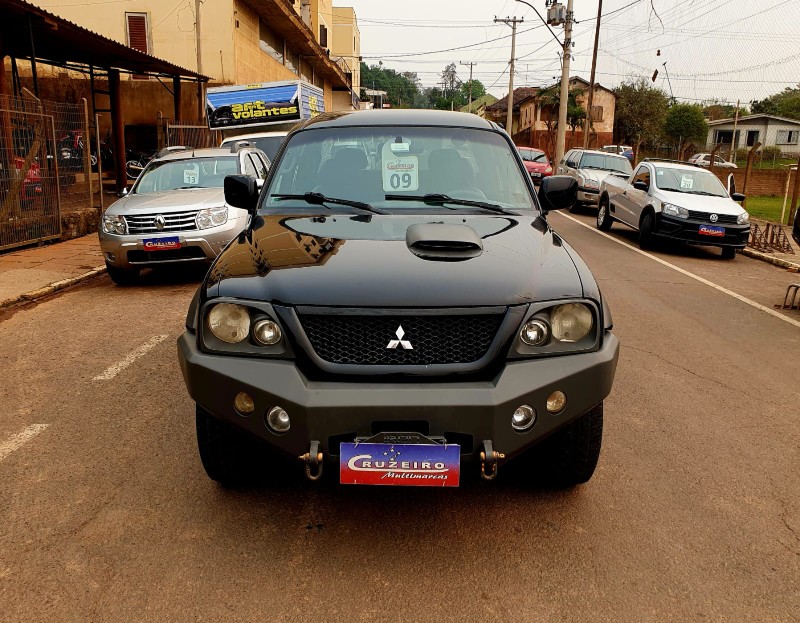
column 762, row 181
column 543, row 140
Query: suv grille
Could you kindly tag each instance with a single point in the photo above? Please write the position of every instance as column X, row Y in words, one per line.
column 363, row 340
column 728, row 219
column 173, row 221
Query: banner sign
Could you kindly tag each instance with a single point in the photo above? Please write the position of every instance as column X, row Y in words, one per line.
column 262, row 104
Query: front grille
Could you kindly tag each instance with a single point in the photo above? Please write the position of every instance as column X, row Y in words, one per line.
column 728, row 219
column 173, row 221
column 166, row 255
column 364, row 340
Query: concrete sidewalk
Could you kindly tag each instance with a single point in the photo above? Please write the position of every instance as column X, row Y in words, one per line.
column 27, row 274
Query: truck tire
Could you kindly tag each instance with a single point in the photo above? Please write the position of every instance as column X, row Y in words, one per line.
column 223, row 450
column 646, row 228
column 122, row 276
column 569, row 456
column 604, row 218
column 728, row 253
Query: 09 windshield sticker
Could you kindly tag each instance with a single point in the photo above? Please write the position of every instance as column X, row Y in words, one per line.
column 400, row 172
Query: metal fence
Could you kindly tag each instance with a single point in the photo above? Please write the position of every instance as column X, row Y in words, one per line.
column 186, row 134
column 45, row 167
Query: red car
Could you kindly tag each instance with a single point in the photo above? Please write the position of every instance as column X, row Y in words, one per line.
column 31, row 188
column 536, row 163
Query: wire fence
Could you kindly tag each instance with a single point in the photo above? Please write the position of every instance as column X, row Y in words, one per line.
column 186, row 134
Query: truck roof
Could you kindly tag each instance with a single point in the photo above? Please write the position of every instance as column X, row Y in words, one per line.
column 396, row 117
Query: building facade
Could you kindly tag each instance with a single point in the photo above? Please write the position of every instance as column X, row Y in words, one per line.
column 769, row 130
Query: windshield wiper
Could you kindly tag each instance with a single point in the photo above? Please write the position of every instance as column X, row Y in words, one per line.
column 320, row 200
column 439, row 199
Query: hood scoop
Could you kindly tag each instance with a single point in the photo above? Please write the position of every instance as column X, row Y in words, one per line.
column 443, row 242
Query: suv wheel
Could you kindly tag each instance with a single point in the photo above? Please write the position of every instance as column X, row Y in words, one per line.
column 646, row 231
column 569, row 456
column 604, row 219
column 122, row 276
column 728, row 253
column 223, row 450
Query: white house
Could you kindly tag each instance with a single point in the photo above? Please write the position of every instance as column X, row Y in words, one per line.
column 769, row 130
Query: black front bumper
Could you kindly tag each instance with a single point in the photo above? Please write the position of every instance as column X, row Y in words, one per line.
column 463, row 412
column 689, row 231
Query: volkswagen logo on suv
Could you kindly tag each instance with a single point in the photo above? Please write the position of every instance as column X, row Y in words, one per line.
column 714, row 218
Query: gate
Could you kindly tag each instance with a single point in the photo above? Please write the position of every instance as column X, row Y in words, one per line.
column 188, row 135
column 29, row 178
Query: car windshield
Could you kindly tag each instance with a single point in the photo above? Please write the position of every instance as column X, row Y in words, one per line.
column 268, row 144
column 531, row 155
column 394, row 168
column 186, row 173
column 606, row 163
column 694, row 182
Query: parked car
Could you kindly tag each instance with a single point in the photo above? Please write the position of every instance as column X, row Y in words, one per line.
column 31, row 190
column 590, row 168
column 704, row 160
column 401, row 317
column 622, row 150
column 268, row 142
column 678, row 201
column 176, row 210
column 536, row 163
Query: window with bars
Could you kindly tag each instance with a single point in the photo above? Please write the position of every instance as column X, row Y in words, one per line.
column 138, row 34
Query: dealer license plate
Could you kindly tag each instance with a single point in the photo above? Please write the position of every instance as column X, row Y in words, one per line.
column 711, row 230
column 162, row 244
column 418, row 465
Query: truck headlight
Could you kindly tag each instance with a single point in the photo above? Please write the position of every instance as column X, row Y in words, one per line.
column 571, row 322
column 670, row 209
column 591, row 184
column 211, row 217
column 743, row 218
column 114, row 225
column 229, row 323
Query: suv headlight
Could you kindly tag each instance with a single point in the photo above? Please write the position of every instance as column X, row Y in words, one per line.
column 571, row 322
column 670, row 209
column 229, row 323
column 743, row 218
column 590, row 184
column 114, row 225
column 211, row 217
column 554, row 329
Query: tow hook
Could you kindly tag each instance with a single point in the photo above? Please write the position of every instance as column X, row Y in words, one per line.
column 313, row 461
column 490, row 457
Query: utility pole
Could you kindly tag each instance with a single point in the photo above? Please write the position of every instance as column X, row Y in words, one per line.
column 471, row 64
column 734, row 142
column 201, row 104
column 561, row 136
column 591, row 78
column 511, row 21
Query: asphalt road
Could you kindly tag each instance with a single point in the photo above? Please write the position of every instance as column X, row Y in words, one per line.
column 693, row 514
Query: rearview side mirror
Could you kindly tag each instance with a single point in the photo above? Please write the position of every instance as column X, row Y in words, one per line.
column 731, row 184
column 558, row 192
column 241, row 192
column 641, row 186
column 737, row 196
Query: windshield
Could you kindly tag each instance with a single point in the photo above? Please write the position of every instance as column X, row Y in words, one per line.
column 606, row 163
column 695, row 182
column 531, row 155
column 186, row 173
column 372, row 164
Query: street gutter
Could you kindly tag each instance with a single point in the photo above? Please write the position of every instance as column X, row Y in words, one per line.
column 51, row 288
column 765, row 257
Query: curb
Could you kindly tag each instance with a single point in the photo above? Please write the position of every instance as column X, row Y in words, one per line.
column 764, row 257
column 53, row 287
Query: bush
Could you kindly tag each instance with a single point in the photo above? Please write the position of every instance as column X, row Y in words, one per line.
column 741, row 153
column 771, row 153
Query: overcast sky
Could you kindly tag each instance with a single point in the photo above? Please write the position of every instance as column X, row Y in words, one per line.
column 723, row 49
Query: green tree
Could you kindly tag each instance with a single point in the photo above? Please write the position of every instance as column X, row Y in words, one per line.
column 784, row 104
column 402, row 88
column 685, row 124
column 640, row 113
column 478, row 90
column 717, row 110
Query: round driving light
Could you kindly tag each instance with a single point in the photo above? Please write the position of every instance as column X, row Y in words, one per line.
column 229, row 323
column 571, row 322
column 278, row 420
column 523, row 418
column 267, row 332
column 556, row 402
column 243, row 403
column 535, row 332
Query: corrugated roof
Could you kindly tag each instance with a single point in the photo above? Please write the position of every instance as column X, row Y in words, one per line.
column 61, row 42
column 756, row 116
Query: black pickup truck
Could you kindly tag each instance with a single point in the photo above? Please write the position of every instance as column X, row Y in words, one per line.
column 400, row 310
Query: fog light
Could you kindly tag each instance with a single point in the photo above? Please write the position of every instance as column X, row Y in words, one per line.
column 243, row 403
column 111, row 257
column 523, row 418
column 267, row 332
column 556, row 402
column 278, row 420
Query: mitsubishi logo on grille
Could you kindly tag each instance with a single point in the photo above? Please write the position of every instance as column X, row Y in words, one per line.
column 714, row 218
column 159, row 222
column 400, row 341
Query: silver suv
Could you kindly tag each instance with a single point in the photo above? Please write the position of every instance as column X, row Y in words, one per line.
column 176, row 210
column 590, row 168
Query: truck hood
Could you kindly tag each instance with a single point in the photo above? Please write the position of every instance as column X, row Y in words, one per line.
column 701, row 203
column 364, row 261
column 171, row 201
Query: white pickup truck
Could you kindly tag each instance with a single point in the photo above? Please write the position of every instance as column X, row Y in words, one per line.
column 667, row 199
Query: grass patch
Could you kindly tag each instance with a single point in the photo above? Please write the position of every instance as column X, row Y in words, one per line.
column 768, row 163
column 767, row 208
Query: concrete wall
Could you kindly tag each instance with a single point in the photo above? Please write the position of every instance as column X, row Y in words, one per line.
column 347, row 41
column 322, row 14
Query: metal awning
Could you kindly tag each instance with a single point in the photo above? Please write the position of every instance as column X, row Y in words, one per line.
column 28, row 32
